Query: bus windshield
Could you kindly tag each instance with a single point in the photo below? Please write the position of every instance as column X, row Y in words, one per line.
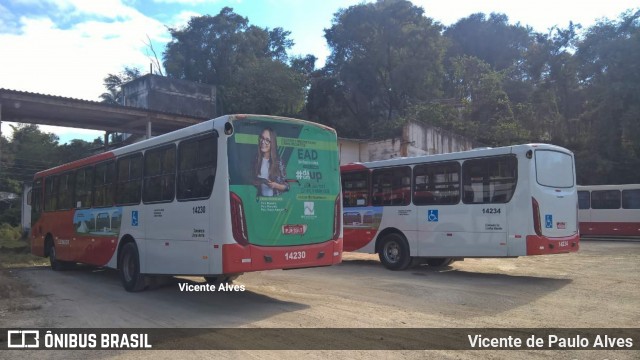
column 554, row 169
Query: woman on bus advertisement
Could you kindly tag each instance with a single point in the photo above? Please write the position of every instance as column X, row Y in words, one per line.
column 269, row 170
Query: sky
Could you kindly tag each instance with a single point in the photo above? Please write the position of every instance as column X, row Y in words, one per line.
column 67, row 47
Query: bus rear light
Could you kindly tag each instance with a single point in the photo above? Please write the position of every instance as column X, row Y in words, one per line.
column 537, row 225
column 337, row 219
column 238, row 221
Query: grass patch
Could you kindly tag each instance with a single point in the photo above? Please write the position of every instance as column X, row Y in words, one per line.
column 11, row 260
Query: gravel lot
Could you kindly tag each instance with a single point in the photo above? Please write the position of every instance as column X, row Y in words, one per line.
column 598, row 287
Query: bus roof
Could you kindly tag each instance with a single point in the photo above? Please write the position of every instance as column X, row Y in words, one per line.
column 482, row 152
column 208, row 125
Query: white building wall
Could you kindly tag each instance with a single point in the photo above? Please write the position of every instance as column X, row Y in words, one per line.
column 416, row 140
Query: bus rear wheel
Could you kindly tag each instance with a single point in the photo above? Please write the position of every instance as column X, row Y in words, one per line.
column 56, row 265
column 394, row 252
column 132, row 279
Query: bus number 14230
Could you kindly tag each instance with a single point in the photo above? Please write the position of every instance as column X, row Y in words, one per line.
column 295, row 255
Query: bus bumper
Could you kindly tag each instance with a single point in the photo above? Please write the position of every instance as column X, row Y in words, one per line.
column 238, row 258
column 542, row 245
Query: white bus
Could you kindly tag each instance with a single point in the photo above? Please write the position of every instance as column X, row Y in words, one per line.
column 609, row 210
column 231, row 195
column 501, row 202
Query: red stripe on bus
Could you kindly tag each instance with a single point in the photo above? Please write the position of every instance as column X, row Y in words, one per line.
column 610, row 228
column 77, row 164
column 353, row 167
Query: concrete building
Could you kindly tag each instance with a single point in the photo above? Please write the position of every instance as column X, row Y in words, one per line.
column 417, row 139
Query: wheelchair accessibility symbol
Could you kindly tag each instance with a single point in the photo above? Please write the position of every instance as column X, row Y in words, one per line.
column 432, row 215
column 548, row 221
column 134, row 218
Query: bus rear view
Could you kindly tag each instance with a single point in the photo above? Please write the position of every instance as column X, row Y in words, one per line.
column 553, row 202
column 284, row 191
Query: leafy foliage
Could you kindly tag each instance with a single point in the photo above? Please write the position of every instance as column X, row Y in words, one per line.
column 248, row 64
column 496, row 82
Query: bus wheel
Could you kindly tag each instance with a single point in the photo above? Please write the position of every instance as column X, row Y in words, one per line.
column 56, row 264
column 130, row 275
column 394, row 253
column 439, row 262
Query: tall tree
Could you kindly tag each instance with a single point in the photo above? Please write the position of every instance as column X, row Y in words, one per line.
column 492, row 39
column 248, row 65
column 385, row 56
column 609, row 72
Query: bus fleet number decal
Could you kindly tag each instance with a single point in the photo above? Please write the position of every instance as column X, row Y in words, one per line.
column 295, row 255
column 491, row 211
column 199, row 209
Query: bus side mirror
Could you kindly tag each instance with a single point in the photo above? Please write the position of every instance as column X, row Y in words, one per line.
column 29, row 198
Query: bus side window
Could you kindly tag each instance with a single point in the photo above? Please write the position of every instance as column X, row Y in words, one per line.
column 391, row 186
column 83, row 188
column 584, row 200
column 197, row 162
column 50, row 193
column 490, row 180
column 355, row 188
column 437, row 184
column 631, row 199
column 159, row 174
column 103, row 184
column 605, row 199
column 129, row 180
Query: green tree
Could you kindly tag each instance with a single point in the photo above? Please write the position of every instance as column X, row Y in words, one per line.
column 609, row 73
column 385, row 57
column 247, row 64
column 114, row 82
column 492, row 39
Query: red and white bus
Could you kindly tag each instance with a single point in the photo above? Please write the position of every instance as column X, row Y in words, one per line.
column 501, row 202
column 609, row 210
column 230, row 195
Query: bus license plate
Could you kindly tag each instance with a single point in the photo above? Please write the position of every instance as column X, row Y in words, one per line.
column 294, row 229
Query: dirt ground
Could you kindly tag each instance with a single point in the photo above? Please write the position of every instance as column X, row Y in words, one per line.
column 598, row 287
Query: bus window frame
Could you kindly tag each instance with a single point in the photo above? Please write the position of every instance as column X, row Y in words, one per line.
column 366, row 191
column 91, row 178
column 112, row 184
column 130, row 158
column 215, row 137
column 431, row 183
column 403, row 189
column 160, row 149
column 486, row 181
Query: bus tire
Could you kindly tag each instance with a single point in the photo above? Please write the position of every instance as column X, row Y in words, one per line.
column 56, row 265
column 130, row 275
column 394, row 252
column 439, row 262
